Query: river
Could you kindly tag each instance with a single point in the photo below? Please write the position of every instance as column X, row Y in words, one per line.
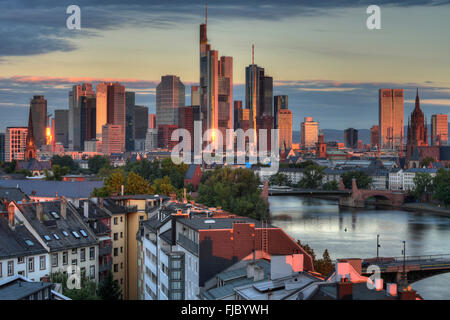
column 352, row 233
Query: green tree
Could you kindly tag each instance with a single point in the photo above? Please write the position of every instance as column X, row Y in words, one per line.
column 87, row 289
column 442, row 186
column 96, row 163
column 114, row 182
column 137, row 185
column 58, row 173
column 163, row 186
column 109, row 289
column 325, row 265
column 330, row 185
column 279, row 179
column 312, row 177
column 10, row 167
column 426, row 162
column 363, row 180
column 65, row 161
column 423, row 184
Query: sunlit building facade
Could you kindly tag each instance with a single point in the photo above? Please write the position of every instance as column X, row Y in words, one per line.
column 439, row 129
column 391, row 118
column 309, row 133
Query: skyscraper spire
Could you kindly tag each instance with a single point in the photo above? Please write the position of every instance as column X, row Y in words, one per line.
column 206, row 13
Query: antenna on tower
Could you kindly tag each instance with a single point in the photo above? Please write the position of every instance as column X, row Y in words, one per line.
column 206, row 13
column 253, row 54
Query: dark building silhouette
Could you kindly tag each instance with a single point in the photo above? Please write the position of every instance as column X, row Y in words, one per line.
column 140, row 122
column 62, row 127
column 88, row 114
column 417, row 129
column 237, row 113
column 375, row 136
column 351, row 138
column 279, row 103
column 30, row 147
column 38, row 107
column 129, row 120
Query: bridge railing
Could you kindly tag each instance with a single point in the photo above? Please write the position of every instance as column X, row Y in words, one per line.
column 412, row 258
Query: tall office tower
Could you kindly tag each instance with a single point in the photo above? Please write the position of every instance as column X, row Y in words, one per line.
column 439, row 130
column 351, row 138
column 130, row 120
column 112, row 141
column 225, row 97
column 2, row 147
column 279, row 103
column 15, row 143
column 170, row 95
column 110, row 108
column 390, row 115
column 186, row 121
column 152, row 121
column 62, row 127
column 264, row 122
column 151, row 139
column 88, row 114
column 309, row 133
column 195, row 95
column 285, row 128
column 141, row 122
column 165, row 136
column 74, row 128
column 38, row 107
column 245, row 120
column 417, row 129
column 375, row 136
column 237, row 113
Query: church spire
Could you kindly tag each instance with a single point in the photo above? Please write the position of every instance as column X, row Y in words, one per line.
column 30, row 149
column 417, row 100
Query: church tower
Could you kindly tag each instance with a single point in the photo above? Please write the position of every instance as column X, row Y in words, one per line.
column 417, row 129
column 30, row 149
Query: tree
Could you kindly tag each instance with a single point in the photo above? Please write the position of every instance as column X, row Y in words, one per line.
column 58, row 173
column 114, row 182
column 163, row 186
column 426, row 162
column 10, row 167
column 137, row 185
column 279, row 179
column 87, row 290
column 423, row 182
column 312, row 177
column 109, row 289
column 330, row 185
column 96, row 163
column 363, row 180
column 65, row 161
column 325, row 265
column 442, row 186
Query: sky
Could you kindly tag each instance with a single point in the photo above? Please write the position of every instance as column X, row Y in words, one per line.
column 319, row 52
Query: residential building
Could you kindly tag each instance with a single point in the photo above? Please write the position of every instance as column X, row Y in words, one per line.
column 21, row 288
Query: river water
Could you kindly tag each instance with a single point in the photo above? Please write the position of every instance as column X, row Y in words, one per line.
column 352, row 233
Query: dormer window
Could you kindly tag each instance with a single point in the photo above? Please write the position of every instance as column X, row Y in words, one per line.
column 75, row 234
column 46, row 237
column 83, row 233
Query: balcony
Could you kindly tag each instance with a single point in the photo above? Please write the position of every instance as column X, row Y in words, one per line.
column 105, row 267
column 103, row 251
column 187, row 243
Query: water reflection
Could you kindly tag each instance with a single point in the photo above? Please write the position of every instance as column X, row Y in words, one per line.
column 348, row 232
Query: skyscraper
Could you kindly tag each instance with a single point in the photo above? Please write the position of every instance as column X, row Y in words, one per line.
column 237, row 113
column 110, row 108
column 62, row 127
column 225, row 98
column 88, row 116
column 2, row 147
column 141, row 122
column 285, row 128
column 309, row 133
column 170, row 95
column 279, row 103
column 390, row 113
column 130, row 120
column 417, row 129
column 112, row 141
column 351, row 138
column 186, row 121
column 152, row 121
column 74, row 128
column 195, row 96
column 375, row 136
column 38, row 107
column 439, row 130
column 15, row 143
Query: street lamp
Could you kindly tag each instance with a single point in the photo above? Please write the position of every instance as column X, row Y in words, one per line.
column 378, row 244
column 404, row 278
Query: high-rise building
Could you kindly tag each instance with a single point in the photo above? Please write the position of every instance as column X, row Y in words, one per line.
column 140, row 122
column 62, row 127
column 285, row 128
column 165, row 136
column 195, row 96
column 88, row 116
column 74, row 120
column 417, row 129
column 112, row 141
column 38, row 107
column 375, row 136
column 2, row 147
column 170, row 95
column 279, row 103
column 186, row 121
column 258, row 92
column 151, row 139
column 225, row 97
column 237, row 114
column 152, row 121
column 111, row 108
column 130, row 120
column 390, row 113
column 309, row 133
column 351, row 138
column 15, row 143
column 439, row 130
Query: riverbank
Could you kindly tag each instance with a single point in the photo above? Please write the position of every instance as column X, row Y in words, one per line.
column 425, row 207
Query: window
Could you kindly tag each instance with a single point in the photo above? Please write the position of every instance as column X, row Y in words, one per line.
column 116, row 267
column 10, row 268
column 116, row 252
column 121, row 219
column 74, row 262
column 121, row 265
column 1, row 269
column 83, row 271
column 92, row 272
column 54, row 260
column 83, row 254
column 41, row 262
column 176, row 264
column 83, row 233
column 141, row 218
column 47, row 238
column 74, row 251
column 121, row 249
column 115, row 221
column 31, row 264
column 20, row 260
column 116, row 236
column 121, row 235
column 91, row 253
column 65, row 233
column 29, row 243
column 176, row 275
column 56, row 236
column 76, row 235
column 121, row 280
column 65, row 258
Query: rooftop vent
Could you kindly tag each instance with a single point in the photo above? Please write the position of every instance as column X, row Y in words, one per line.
column 210, row 221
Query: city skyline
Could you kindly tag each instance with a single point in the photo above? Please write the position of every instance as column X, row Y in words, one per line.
column 331, row 98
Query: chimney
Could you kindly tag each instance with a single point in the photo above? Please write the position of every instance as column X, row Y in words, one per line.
column 379, row 284
column 100, row 200
column 391, row 289
column 86, row 209
column 251, row 270
column 11, row 220
column 39, row 211
column 63, row 208
column 258, row 273
column 344, row 290
column 122, row 190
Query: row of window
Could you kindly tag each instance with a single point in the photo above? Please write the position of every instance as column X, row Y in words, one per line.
column 65, row 255
column 10, row 265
